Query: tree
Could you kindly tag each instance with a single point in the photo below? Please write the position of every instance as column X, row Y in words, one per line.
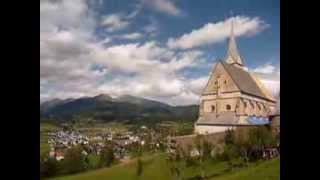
column 139, row 167
column 49, row 167
column 229, row 137
column 259, row 138
column 204, row 148
column 106, row 156
column 74, row 160
column 173, row 163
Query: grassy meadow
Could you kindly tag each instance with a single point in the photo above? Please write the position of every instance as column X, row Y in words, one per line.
column 155, row 167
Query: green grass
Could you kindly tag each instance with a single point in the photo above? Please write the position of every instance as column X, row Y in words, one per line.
column 155, row 167
column 44, row 149
column 269, row 170
column 46, row 128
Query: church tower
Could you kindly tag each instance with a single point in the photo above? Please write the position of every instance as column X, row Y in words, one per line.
column 233, row 56
column 232, row 96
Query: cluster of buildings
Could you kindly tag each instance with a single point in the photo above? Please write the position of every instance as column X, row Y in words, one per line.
column 66, row 139
column 122, row 143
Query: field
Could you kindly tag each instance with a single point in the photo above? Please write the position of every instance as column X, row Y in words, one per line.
column 155, row 167
column 46, row 128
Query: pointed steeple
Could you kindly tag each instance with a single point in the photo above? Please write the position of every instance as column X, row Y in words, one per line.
column 233, row 56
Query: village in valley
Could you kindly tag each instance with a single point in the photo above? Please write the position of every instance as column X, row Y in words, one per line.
column 122, row 143
column 127, row 97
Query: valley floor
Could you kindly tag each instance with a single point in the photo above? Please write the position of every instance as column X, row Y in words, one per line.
column 155, row 167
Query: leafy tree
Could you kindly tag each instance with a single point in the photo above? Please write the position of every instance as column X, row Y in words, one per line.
column 173, row 163
column 74, row 160
column 49, row 167
column 204, row 148
column 107, row 157
column 230, row 137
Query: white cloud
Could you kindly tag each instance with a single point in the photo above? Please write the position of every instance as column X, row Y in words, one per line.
column 74, row 63
column 114, row 22
column 134, row 13
column 270, row 76
column 130, row 36
column 152, row 28
column 212, row 33
column 164, row 6
column 266, row 69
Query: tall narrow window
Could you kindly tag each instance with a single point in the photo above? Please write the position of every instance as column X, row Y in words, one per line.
column 213, row 108
column 228, row 107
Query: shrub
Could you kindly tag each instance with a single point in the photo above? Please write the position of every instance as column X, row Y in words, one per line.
column 107, row 157
column 74, row 160
column 49, row 167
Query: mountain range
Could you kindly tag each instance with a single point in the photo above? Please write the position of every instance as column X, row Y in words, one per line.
column 124, row 108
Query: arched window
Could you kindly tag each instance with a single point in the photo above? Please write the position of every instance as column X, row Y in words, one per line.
column 245, row 104
column 252, row 105
column 228, row 107
column 216, row 82
column 259, row 107
column 225, row 81
column 213, row 108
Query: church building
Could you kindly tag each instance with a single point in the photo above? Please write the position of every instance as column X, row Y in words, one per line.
column 232, row 96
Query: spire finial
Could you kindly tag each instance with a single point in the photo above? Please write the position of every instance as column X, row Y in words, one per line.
column 233, row 55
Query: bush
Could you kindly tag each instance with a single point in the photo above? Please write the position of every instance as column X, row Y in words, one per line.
column 230, row 152
column 247, row 143
column 49, row 167
column 107, row 157
column 74, row 160
column 230, row 137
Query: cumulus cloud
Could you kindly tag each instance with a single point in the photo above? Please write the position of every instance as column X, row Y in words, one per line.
column 75, row 63
column 212, row 33
column 266, row 69
column 163, row 6
column 269, row 75
column 130, row 36
column 114, row 22
column 152, row 28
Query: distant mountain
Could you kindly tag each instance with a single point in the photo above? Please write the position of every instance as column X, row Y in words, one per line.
column 140, row 101
column 48, row 105
column 124, row 108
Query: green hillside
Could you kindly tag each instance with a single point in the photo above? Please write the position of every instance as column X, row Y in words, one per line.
column 156, row 168
column 122, row 109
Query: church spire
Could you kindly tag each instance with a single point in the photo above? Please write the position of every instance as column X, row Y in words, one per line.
column 233, row 56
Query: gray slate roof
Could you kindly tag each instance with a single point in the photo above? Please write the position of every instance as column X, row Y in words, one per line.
column 244, row 81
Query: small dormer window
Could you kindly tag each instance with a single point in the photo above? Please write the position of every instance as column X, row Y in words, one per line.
column 228, row 107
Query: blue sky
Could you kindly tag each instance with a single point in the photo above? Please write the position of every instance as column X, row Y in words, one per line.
column 158, row 49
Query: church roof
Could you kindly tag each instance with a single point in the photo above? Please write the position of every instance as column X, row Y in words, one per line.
column 245, row 81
